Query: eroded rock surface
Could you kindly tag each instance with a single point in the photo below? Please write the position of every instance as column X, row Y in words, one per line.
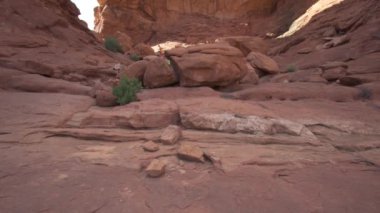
column 156, row 168
column 190, row 153
column 159, row 73
column 171, row 135
column 46, row 48
column 151, row 146
column 279, row 140
column 153, row 113
column 194, row 21
column 263, row 62
column 208, row 65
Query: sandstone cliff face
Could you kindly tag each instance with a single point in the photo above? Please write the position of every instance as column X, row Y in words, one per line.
column 226, row 9
column 43, row 42
column 189, row 20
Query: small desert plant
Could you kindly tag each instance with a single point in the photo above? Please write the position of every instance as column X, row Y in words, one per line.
column 291, row 68
column 112, row 44
column 365, row 94
column 126, row 90
column 135, row 57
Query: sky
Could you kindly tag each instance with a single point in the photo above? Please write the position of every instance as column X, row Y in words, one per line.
column 86, row 8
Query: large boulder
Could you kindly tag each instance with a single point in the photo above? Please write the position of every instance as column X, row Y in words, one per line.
column 142, row 50
column 246, row 44
column 136, row 70
column 159, row 73
column 263, row 63
column 208, row 65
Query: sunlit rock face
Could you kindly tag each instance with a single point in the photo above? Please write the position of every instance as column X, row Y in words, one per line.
column 303, row 20
column 221, row 8
column 144, row 19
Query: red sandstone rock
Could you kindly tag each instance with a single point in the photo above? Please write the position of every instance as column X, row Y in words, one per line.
column 156, row 168
column 142, row 21
column 124, row 40
column 251, row 77
column 38, row 83
column 53, row 44
column 246, row 44
column 263, row 62
column 297, row 91
column 142, row 50
column 208, row 65
column 45, row 39
column 172, row 93
column 150, row 146
column 153, row 113
column 191, row 153
column 136, row 70
column 334, row 74
column 159, row 73
column 171, row 135
column 105, row 98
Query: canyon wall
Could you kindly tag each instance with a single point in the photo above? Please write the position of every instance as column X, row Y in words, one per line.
column 45, row 47
column 191, row 21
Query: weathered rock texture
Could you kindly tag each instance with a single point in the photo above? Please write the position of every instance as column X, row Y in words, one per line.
column 277, row 146
column 156, row 168
column 190, row 20
column 171, row 135
column 159, row 73
column 208, row 65
column 44, row 47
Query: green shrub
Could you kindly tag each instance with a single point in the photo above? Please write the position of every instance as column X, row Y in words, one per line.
column 135, row 57
column 126, row 90
column 112, row 44
column 291, row 68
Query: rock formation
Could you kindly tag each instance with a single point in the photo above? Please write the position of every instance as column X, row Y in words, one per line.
column 245, row 123
column 162, row 20
column 208, row 65
column 46, row 48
